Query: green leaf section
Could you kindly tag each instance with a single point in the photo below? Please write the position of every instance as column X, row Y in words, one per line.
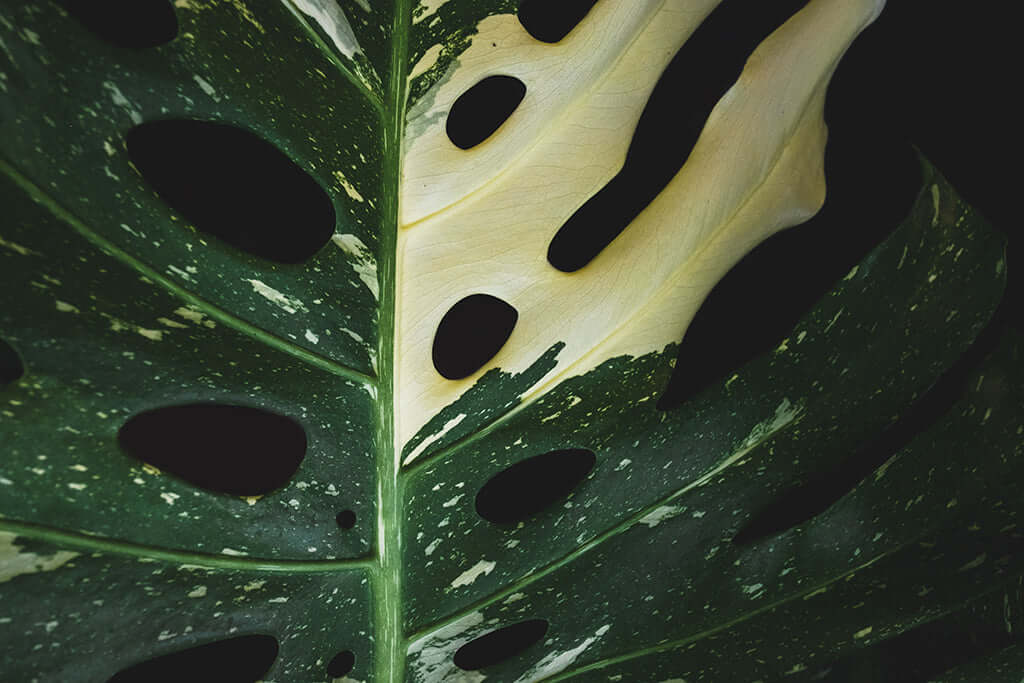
column 117, row 306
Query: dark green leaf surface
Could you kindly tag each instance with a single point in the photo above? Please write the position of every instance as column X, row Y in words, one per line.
column 116, row 305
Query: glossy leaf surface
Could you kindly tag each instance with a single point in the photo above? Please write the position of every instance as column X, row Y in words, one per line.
column 362, row 552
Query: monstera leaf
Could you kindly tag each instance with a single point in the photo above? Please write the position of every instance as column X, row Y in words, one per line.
column 335, row 341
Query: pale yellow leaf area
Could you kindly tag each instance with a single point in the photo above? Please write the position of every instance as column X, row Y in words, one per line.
column 480, row 220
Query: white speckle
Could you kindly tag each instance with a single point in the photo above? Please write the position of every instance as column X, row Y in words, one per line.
column 426, row 62
column 364, row 264
column 190, row 315
column 5, row 481
column 14, row 563
column 119, row 100
column 975, row 563
column 832, row 322
column 183, row 274
column 155, row 335
column 454, row 501
column 448, row 426
column 170, row 497
column 332, row 490
column 232, row 552
column 77, row 487
column 198, row 592
column 51, row 625
column 281, row 599
column 65, row 307
column 16, row 248
column 555, row 662
column 294, row 503
column 623, row 464
column 349, row 188
column 254, row 585
column 167, row 322
column 30, row 36
column 286, row 303
column 109, row 149
column 312, row 338
column 425, row 9
column 206, row 87
column 864, row 631
column 352, row 334
column 470, row 575
column 432, row 547
column 752, row 589
column 515, row 597
column 660, row 514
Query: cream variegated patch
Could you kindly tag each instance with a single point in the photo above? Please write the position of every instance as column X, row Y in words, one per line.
column 480, row 220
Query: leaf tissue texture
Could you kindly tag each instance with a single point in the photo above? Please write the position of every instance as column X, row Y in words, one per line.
column 270, row 438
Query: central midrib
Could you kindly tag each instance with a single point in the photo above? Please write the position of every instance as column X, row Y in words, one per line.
column 386, row 583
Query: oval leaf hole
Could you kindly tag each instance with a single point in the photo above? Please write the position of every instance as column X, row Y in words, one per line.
column 471, row 333
column 346, row 519
column 528, row 487
column 230, row 449
column 481, row 110
column 126, row 23
column 499, row 645
column 11, row 367
column 244, row 659
column 235, row 186
column 704, row 68
column 924, row 653
column 341, row 664
column 549, row 21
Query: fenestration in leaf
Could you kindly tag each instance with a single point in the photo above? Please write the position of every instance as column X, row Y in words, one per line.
column 371, row 563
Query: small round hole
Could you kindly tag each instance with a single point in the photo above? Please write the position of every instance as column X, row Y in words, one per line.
column 346, row 519
column 341, row 664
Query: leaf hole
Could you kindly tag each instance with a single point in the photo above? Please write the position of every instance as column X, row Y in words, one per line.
column 704, row 69
column 11, row 367
column 549, row 21
column 245, row 659
column 234, row 185
column 926, row 652
column 136, row 24
column 532, row 485
column 346, row 519
column 341, row 664
column 230, row 449
column 482, row 109
column 500, row 644
column 808, row 499
column 471, row 333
